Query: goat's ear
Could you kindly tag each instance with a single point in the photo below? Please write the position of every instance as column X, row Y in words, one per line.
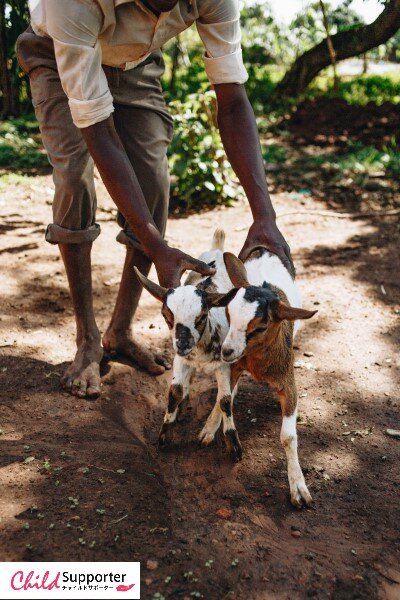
column 290, row 313
column 236, row 270
column 153, row 288
column 216, row 300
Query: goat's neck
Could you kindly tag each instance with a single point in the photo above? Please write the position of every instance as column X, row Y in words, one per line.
column 272, row 354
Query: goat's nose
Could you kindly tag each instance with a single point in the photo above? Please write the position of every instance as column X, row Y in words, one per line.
column 227, row 352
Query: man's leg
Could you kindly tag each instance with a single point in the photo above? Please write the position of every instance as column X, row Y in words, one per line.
column 73, row 227
column 83, row 375
column 118, row 337
column 145, row 134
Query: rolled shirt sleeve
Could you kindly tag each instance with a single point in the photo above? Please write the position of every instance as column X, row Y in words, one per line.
column 219, row 29
column 74, row 27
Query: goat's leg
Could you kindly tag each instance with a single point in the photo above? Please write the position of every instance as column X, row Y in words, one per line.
column 177, row 395
column 225, row 398
column 214, row 419
column 297, row 484
column 212, row 424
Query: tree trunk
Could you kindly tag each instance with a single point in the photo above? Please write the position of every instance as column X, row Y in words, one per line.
column 176, row 54
column 365, row 64
column 346, row 44
column 331, row 49
column 5, row 76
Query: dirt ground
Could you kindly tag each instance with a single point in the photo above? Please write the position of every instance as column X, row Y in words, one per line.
column 84, row 480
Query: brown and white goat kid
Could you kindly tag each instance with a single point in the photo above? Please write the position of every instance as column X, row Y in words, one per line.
column 262, row 317
column 198, row 330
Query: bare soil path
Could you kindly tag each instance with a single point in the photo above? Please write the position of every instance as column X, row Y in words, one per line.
column 84, row 480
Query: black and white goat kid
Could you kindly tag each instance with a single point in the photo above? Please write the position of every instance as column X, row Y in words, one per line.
column 195, row 315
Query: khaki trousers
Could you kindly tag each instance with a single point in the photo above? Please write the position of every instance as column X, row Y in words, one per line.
column 143, row 124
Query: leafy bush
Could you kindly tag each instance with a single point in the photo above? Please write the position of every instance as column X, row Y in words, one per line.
column 20, row 146
column 360, row 90
column 274, row 153
column 200, row 173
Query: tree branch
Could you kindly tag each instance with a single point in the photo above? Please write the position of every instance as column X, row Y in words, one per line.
column 346, row 44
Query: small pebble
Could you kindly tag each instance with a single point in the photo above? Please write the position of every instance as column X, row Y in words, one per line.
column 395, row 433
column 151, row 565
column 296, row 533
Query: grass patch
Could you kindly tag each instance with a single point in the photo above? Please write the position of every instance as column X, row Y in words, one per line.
column 360, row 160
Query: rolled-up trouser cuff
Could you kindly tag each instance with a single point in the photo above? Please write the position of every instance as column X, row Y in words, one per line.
column 55, row 234
column 128, row 239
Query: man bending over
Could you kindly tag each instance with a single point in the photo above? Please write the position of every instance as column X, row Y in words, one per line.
column 95, row 69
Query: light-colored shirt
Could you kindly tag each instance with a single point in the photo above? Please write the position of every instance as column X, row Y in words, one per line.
column 122, row 33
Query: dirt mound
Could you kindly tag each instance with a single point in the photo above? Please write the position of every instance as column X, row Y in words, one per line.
column 326, row 121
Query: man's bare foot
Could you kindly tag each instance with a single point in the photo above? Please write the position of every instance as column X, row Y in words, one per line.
column 82, row 378
column 122, row 343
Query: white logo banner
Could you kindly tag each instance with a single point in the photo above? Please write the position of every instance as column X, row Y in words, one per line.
column 76, row 580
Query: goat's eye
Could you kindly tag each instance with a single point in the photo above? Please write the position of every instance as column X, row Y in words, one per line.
column 255, row 332
column 259, row 330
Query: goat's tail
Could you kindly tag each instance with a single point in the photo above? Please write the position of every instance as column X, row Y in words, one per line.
column 218, row 239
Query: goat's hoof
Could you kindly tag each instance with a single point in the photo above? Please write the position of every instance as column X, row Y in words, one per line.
column 206, row 437
column 164, row 437
column 185, row 412
column 300, row 495
column 162, row 441
column 233, row 444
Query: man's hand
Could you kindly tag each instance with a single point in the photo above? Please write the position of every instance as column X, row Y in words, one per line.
column 239, row 135
column 171, row 263
column 267, row 235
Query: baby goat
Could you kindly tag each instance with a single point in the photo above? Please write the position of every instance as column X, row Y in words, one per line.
column 260, row 342
column 198, row 329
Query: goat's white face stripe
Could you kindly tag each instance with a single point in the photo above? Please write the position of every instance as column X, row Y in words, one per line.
column 241, row 312
column 185, row 304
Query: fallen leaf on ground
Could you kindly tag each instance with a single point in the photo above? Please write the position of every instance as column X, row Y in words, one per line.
column 224, row 513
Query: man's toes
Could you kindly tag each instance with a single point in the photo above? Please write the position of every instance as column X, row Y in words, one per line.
column 149, row 363
column 93, row 389
column 162, row 360
column 66, row 382
column 79, row 388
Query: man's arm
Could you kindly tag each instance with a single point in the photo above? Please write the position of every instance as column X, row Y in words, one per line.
column 121, row 182
column 75, row 27
column 240, row 138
